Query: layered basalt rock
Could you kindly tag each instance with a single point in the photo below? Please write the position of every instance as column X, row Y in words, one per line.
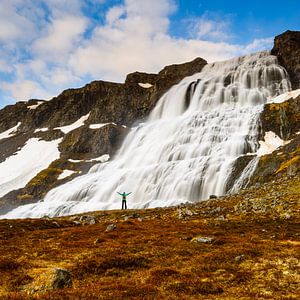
column 287, row 49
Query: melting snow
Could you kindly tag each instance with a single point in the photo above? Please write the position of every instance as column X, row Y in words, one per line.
column 9, row 132
column 66, row 173
column 41, row 130
column 286, row 96
column 17, row 170
column 74, row 160
column 145, row 85
column 77, row 124
column 102, row 158
column 97, row 126
column 35, row 105
column 271, row 143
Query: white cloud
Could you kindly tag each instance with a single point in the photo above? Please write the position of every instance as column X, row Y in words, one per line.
column 259, row 44
column 61, row 38
column 49, row 49
column 24, row 89
column 135, row 37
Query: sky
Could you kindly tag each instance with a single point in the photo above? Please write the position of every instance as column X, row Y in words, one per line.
column 47, row 46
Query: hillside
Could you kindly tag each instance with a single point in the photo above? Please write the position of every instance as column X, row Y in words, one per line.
column 82, row 127
column 241, row 246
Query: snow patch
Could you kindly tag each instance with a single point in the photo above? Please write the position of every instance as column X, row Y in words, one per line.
column 75, row 160
column 286, row 96
column 35, row 105
column 145, row 85
column 65, row 174
column 102, row 158
column 9, row 132
column 17, row 170
column 41, row 130
column 97, row 126
column 77, row 124
column 271, row 143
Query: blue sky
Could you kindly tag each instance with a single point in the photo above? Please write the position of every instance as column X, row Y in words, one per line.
column 47, row 46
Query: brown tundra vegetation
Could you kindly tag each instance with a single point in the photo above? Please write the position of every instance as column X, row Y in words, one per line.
column 243, row 246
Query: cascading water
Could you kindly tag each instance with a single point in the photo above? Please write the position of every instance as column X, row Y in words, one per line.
column 186, row 150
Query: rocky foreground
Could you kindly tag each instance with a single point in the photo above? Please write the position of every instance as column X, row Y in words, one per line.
column 243, row 246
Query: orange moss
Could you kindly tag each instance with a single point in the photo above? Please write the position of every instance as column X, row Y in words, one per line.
column 287, row 164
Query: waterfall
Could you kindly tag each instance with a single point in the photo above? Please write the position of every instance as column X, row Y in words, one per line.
column 186, row 149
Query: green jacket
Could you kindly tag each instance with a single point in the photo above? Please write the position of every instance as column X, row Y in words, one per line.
column 124, row 195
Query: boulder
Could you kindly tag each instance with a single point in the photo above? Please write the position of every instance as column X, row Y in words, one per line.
column 111, row 227
column 203, row 239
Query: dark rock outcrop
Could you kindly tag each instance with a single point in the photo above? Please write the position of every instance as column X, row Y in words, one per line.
column 86, row 143
column 287, row 49
column 282, row 118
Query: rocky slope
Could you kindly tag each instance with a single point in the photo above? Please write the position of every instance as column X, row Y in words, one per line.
column 244, row 246
column 89, row 123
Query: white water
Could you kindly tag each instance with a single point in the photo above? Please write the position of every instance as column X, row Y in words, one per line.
column 186, row 150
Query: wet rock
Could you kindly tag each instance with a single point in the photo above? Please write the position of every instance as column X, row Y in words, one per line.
column 111, row 227
column 213, row 197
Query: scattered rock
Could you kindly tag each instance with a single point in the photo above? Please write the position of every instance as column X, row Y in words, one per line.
column 111, row 227
column 61, row 278
column 239, row 258
column 203, row 239
column 89, row 219
column 185, row 213
column 98, row 241
column 49, row 279
column 56, row 224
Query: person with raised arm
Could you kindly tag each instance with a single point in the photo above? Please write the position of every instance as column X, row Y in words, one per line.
column 124, row 195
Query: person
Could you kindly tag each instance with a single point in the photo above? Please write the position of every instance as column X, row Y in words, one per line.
column 124, row 195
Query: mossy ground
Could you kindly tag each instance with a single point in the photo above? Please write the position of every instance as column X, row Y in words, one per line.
column 255, row 253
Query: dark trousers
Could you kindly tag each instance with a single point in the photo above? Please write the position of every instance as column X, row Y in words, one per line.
column 124, row 205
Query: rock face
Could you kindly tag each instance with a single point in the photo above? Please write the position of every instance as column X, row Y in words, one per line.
column 284, row 120
column 108, row 110
column 287, row 49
